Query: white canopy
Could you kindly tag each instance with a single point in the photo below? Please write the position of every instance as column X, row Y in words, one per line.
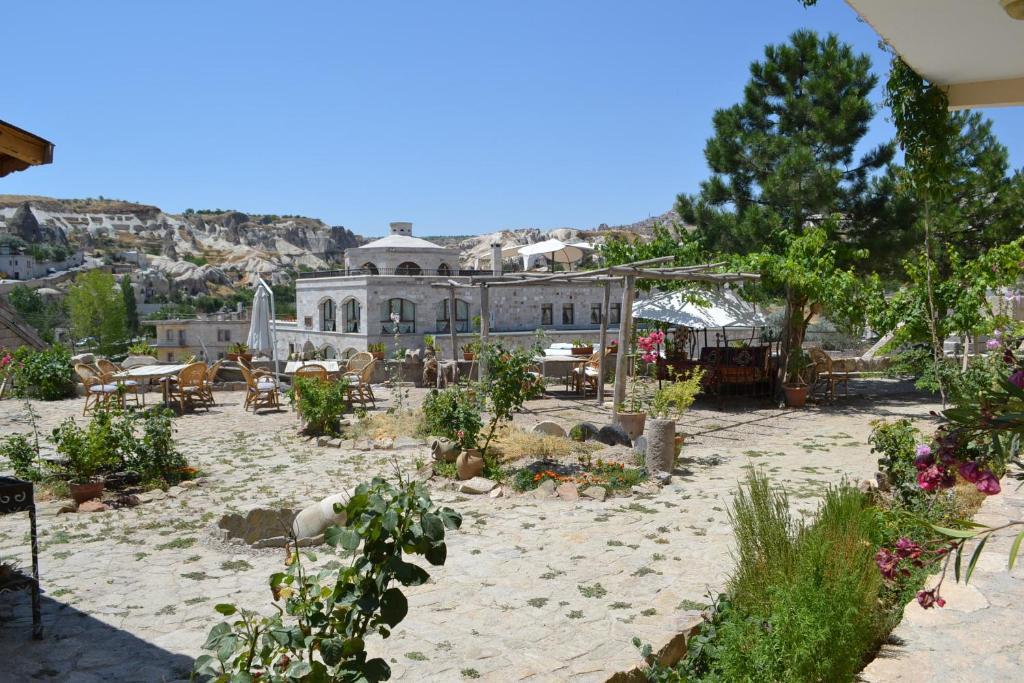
column 259, row 326
column 723, row 309
column 555, row 251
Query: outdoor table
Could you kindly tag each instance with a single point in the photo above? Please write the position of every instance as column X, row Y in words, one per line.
column 333, row 367
column 18, row 496
column 572, row 361
column 147, row 373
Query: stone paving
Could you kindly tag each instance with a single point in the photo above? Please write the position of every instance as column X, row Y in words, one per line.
column 532, row 590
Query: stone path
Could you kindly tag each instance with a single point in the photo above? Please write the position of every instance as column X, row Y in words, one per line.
column 532, row 590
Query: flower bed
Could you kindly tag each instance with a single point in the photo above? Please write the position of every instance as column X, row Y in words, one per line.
column 613, row 476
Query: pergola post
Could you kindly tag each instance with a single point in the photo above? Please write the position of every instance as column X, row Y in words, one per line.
column 602, row 367
column 451, row 324
column 625, row 326
column 485, row 315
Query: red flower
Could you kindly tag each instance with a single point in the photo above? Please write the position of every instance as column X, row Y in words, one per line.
column 988, row 484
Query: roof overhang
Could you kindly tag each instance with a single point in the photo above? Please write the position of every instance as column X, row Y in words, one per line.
column 20, row 149
column 974, row 49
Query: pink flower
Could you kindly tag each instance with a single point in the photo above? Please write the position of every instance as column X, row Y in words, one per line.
column 888, row 563
column 992, row 344
column 987, row 484
column 928, row 599
column 649, row 357
column 1017, row 379
column 907, row 549
column 923, row 450
column 924, row 458
column 934, row 478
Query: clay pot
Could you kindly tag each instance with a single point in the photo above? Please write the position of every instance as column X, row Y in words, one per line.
column 83, row 492
column 468, row 356
column 632, row 423
column 378, row 355
column 444, row 450
column 796, row 396
column 469, row 464
column 582, row 350
column 236, row 357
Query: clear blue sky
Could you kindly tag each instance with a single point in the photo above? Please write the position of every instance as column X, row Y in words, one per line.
column 462, row 117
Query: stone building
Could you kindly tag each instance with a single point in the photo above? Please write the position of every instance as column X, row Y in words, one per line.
column 341, row 312
column 206, row 336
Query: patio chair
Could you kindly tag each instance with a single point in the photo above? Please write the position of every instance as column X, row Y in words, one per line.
column 189, row 387
column 585, row 376
column 359, row 389
column 825, row 374
column 208, row 380
column 356, row 364
column 260, row 390
column 99, row 389
column 132, row 387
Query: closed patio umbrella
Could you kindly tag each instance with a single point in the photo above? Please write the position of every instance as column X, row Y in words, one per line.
column 260, row 341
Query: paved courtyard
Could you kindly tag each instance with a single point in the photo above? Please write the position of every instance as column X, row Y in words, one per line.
column 533, row 590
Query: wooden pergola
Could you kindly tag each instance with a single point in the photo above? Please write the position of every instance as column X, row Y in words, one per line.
column 627, row 274
column 20, row 149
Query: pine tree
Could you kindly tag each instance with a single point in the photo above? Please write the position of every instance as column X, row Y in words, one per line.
column 785, row 185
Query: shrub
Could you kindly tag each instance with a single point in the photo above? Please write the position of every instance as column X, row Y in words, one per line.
column 677, row 396
column 154, row 456
column 319, row 632
column 87, row 452
column 23, row 456
column 46, row 374
column 451, row 411
column 321, row 404
column 142, row 348
column 896, row 442
column 508, row 385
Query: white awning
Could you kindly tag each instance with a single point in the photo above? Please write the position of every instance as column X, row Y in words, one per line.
column 723, row 309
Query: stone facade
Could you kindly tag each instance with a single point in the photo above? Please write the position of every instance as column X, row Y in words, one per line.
column 340, row 314
column 208, row 337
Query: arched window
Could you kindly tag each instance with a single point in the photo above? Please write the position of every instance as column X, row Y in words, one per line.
column 328, row 352
column 350, row 312
column 408, row 268
column 349, row 352
column 406, row 312
column 443, row 269
column 308, row 350
column 369, row 268
column 327, row 316
column 461, row 316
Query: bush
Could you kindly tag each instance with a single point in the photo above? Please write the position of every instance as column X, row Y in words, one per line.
column 453, row 410
column 154, row 456
column 321, row 404
column 46, row 374
column 896, row 442
column 319, row 632
column 23, row 455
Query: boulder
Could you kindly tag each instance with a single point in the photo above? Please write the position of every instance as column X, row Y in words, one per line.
column 613, row 435
column 256, row 525
column 595, row 492
column 546, row 489
column 94, row 505
column 568, row 491
column 86, row 358
column 477, row 485
column 313, row 520
column 138, row 362
column 586, row 430
column 549, row 428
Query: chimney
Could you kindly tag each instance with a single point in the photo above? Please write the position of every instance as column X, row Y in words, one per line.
column 496, row 258
column 401, row 228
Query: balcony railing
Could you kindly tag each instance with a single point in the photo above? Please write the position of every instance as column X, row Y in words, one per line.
column 350, row 272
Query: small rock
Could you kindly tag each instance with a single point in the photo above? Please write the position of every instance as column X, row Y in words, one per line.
column 127, row 500
column 93, row 506
column 548, row 427
column 383, row 444
column 323, row 441
column 477, row 485
column 568, row 491
column 272, row 542
column 65, row 509
column 613, row 435
column 188, row 484
column 546, row 489
column 595, row 492
column 150, row 496
column 663, row 478
column 496, row 492
column 586, row 430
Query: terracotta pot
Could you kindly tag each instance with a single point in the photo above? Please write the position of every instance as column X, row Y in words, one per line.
column 83, row 492
column 378, row 355
column 582, row 350
column 632, row 423
column 796, row 396
column 468, row 356
column 247, row 357
column 469, row 464
column 444, row 450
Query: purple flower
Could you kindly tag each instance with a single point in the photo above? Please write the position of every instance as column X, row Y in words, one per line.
column 988, row 484
column 1017, row 379
column 928, row 599
column 923, row 449
column 908, row 549
column 997, row 333
column 888, row 563
column 924, row 458
column 992, row 344
column 971, row 471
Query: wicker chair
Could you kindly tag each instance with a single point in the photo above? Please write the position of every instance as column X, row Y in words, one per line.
column 189, row 387
column 585, row 376
column 99, row 389
column 132, row 387
column 356, row 364
column 208, row 380
column 260, row 390
column 359, row 389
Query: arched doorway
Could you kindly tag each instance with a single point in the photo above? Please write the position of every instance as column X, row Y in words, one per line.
column 369, row 268
column 408, row 268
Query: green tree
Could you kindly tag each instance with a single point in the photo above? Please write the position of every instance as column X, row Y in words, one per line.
column 97, row 310
column 783, row 166
column 42, row 315
column 131, row 312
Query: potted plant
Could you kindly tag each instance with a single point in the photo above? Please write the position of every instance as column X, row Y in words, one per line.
column 86, row 454
column 613, row 346
column 428, row 342
column 631, row 416
column 142, row 348
column 469, row 463
column 469, row 350
column 795, row 385
column 581, row 348
column 239, row 351
column 377, row 349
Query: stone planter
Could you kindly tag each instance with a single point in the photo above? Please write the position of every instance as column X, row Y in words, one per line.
column 469, row 464
column 83, row 492
column 661, row 446
column 796, row 396
column 632, row 423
